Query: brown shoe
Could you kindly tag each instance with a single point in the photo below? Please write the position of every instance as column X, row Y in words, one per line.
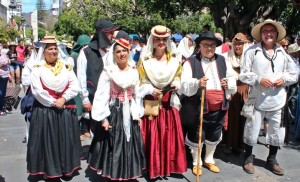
column 212, row 167
column 249, row 168
column 274, row 168
column 195, row 170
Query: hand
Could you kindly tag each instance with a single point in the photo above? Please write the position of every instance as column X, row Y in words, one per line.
column 106, row 125
column 156, row 92
column 202, row 82
column 174, row 88
column 59, row 103
column 265, row 82
column 224, row 84
column 279, row 82
column 87, row 107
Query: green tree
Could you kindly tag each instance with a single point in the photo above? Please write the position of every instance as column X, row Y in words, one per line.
column 41, row 9
column 8, row 33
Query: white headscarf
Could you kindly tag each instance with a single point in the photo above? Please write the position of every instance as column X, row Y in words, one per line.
column 110, row 60
column 237, row 62
column 148, row 50
column 184, row 49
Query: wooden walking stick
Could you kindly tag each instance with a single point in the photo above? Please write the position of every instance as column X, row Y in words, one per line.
column 200, row 132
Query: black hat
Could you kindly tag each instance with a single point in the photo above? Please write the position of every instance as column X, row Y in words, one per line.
column 122, row 34
column 143, row 40
column 209, row 35
column 105, row 25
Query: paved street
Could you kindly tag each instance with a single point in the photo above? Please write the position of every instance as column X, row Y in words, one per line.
column 13, row 160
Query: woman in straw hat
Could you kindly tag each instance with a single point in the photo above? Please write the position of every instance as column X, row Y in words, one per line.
column 236, row 121
column 268, row 70
column 53, row 146
column 160, row 70
column 117, row 150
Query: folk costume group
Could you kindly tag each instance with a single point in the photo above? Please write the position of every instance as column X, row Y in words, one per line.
column 138, row 111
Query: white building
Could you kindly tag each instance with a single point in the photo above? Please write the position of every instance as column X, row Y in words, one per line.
column 14, row 8
column 58, row 5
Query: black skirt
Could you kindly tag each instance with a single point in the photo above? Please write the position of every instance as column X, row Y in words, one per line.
column 110, row 151
column 54, row 144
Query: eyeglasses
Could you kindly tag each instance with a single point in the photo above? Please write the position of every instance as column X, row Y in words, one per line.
column 161, row 39
column 213, row 45
column 269, row 31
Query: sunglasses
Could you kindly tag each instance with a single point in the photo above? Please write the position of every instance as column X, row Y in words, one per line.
column 269, row 31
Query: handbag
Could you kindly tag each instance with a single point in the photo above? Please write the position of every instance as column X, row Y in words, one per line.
column 248, row 107
column 151, row 107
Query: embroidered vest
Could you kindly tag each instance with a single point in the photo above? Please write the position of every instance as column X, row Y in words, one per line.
column 118, row 92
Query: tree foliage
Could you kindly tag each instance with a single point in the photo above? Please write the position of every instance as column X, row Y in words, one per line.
column 8, row 33
column 41, row 9
column 138, row 16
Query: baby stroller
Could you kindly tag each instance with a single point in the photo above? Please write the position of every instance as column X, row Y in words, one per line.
column 12, row 99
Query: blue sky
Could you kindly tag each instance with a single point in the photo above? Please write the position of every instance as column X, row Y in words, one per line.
column 30, row 5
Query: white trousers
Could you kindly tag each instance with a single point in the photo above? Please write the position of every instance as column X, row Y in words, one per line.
column 274, row 134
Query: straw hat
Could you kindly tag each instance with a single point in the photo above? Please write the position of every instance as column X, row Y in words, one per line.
column 12, row 44
column 293, row 48
column 255, row 32
column 49, row 40
column 160, row 31
column 240, row 37
column 123, row 42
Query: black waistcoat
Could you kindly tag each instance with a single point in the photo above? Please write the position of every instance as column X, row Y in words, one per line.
column 93, row 70
column 197, row 72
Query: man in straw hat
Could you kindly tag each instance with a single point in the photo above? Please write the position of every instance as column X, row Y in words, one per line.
column 267, row 69
column 206, row 70
column 90, row 62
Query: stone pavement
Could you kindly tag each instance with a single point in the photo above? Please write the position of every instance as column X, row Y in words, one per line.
column 13, row 160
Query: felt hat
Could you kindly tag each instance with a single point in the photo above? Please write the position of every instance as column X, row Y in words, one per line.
column 49, row 40
column 209, row 35
column 123, row 42
column 256, row 34
column 160, row 31
column 105, row 25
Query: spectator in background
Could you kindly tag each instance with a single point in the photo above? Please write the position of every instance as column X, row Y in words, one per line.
column 4, row 76
column 136, row 49
column 284, row 44
column 13, row 67
column 143, row 44
column 224, row 48
column 21, row 55
column 185, row 48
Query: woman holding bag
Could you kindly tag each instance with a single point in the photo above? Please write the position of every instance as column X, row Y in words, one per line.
column 159, row 69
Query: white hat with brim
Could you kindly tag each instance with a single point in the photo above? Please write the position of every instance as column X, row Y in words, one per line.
column 256, row 34
column 160, row 31
column 49, row 40
column 293, row 48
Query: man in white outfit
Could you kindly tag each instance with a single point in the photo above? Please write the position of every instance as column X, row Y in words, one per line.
column 268, row 70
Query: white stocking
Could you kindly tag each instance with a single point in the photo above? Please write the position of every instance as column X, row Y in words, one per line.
column 209, row 154
column 194, row 152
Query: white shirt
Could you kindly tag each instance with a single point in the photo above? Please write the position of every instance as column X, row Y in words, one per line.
column 256, row 66
column 189, row 85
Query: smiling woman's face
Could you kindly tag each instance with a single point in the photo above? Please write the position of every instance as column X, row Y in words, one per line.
column 51, row 53
column 121, row 54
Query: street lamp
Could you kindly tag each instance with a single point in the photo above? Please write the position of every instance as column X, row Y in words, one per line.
column 23, row 25
column 12, row 6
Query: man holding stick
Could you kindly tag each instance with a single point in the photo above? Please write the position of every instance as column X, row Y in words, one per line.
column 206, row 70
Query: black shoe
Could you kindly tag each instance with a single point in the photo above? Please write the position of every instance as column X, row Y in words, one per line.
column 274, row 168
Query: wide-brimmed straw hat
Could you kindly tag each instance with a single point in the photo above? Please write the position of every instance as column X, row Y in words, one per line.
column 293, row 48
column 123, row 42
column 49, row 40
column 256, row 34
column 160, row 31
column 240, row 37
column 209, row 35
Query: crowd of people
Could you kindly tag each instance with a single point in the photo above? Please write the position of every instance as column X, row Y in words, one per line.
column 140, row 100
